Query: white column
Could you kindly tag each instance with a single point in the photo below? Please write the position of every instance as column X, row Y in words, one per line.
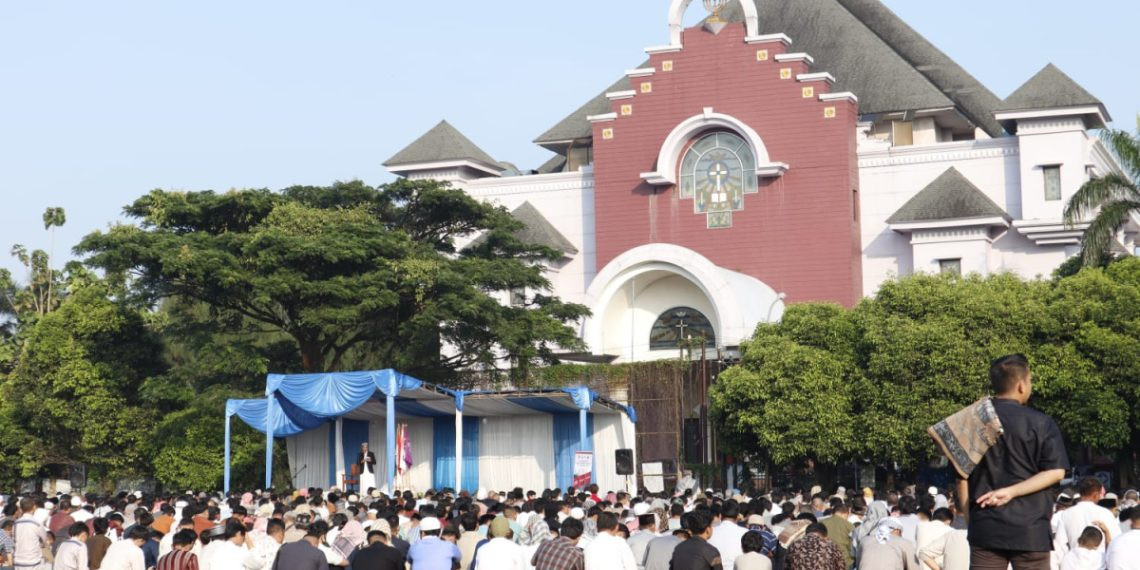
column 458, row 451
column 339, row 453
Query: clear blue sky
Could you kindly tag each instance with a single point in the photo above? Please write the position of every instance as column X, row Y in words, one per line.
column 103, row 101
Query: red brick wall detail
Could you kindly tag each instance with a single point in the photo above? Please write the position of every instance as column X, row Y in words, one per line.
column 799, row 234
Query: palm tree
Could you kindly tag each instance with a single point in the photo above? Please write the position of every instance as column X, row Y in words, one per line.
column 1114, row 198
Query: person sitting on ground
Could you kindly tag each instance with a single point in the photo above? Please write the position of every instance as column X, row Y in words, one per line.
column 814, row 551
column 1089, row 553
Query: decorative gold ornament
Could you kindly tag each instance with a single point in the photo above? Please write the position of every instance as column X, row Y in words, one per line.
column 714, row 7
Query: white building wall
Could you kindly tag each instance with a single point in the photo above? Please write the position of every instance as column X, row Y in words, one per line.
column 566, row 200
column 890, row 176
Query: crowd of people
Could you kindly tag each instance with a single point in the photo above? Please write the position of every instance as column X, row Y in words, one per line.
column 553, row 530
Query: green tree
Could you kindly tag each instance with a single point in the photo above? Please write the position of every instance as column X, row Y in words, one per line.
column 348, row 273
column 1114, row 198
column 792, row 395
column 73, row 397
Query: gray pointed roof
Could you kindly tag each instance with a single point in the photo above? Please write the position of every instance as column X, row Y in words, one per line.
column 442, row 143
column 950, row 197
column 870, row 51
column 537, row 230
column 1050, row 88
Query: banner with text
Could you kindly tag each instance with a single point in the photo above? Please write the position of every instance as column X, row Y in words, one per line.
column 583, row 467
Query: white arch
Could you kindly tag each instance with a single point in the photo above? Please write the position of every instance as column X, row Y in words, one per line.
column 670, row 153
column 677, row 15
column 740, row 302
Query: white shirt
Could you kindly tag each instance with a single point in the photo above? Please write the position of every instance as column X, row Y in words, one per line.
column 726, row 538
column 607, row 552
column 263, row 554
column 229, row 556
column 928, row 532
column 502, row 554
column 951, row 549
column 1073, row 522
column 1124, row 552
column 81, row 515
column 123, row 555
column 206, row 559
column 638, row 543
column 1083, row 559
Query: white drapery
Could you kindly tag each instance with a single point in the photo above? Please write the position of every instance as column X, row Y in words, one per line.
column 309, row 458
column 516, row 451
column 421, row 432
column 610, row 435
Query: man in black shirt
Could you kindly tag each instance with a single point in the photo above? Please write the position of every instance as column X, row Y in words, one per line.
column 696, row 553
column 378, row 556
column 1010, row 502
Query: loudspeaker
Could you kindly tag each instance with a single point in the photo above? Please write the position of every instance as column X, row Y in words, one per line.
column 623, row 458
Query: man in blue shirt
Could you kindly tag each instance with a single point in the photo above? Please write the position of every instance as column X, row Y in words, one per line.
column 432, row 552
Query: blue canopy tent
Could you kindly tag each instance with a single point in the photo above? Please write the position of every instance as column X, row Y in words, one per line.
column 298, row 403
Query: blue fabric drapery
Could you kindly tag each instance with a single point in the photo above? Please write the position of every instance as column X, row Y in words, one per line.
column 289, row 419
column 334, row 394
column 566, row 438
column 443, row 453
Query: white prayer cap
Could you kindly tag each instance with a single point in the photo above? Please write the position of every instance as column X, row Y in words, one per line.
column 577, row 513
column 76, row 502
column 138, row 494
column 815, row 490
column 181, row 504
column 49, row 505
column 640, row 509
column 429, row 524
column 480, row 494
column 932, row 490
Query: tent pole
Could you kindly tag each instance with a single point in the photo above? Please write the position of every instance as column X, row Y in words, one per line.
column 340, row 471
column 458, row 450
column 226, row 472
column 391, row 442
column 269, row 442
column 582, row 430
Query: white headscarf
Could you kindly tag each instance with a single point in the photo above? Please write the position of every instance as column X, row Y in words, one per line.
column 884, row 529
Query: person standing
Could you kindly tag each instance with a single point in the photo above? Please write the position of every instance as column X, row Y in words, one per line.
column 608, row 551
column 726, row 535
column 127, row 553
column 71, row 554
column 181, row 555
column 30, row 538
column 640, row 539
column 366, row 463
column 1010, row 506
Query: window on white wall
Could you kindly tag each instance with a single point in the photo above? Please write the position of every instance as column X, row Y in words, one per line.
column 1052, row 182
column 950, row 266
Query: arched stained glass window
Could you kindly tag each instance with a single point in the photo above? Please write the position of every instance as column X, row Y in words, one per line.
column 716, row 172
column 680, row 323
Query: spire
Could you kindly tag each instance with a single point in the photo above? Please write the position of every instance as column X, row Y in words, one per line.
column 443, row 143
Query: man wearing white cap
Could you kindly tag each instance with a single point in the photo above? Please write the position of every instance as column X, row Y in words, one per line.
column 431, row 552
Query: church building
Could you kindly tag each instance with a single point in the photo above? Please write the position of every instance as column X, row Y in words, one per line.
column 784, row 151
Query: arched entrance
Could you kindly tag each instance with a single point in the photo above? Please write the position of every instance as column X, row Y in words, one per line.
column 654, row 286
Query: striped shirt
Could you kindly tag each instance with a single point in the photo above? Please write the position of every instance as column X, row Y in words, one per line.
column 178, row 560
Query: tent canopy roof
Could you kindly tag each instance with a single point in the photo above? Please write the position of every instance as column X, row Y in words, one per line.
column 306, row 401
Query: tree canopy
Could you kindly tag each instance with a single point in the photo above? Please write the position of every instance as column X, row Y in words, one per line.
column 348, row 268
column 866, row 383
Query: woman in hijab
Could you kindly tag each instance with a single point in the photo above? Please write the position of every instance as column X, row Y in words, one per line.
column 349, row 539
